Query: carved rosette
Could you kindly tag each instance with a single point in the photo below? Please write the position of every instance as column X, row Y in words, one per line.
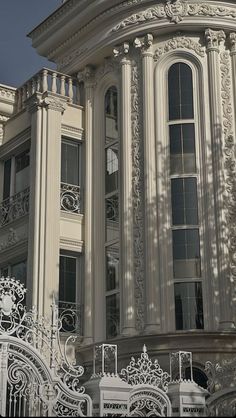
column 229, row 160
column 138, row 204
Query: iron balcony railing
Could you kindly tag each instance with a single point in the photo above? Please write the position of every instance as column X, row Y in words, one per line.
column 70, row 315
column 14, row 207
column 70, row 198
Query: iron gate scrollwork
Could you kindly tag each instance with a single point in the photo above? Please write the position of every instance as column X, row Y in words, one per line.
column 36, row 377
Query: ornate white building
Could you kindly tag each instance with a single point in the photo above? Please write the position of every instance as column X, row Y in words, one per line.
column 117, row 175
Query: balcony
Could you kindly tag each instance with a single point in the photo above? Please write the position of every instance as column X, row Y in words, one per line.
column 70, row 316
column 70, row 198
column 14, row 207
column 50, row 81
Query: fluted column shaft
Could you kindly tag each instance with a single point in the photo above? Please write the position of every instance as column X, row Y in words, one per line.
column 152, row 322
column 213, row 39
column 127, row 247
column 88, row 284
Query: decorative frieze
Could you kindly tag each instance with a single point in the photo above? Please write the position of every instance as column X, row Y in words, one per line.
column 213, row 39
column 175, row 11
column 179, row 42
column 12, row 239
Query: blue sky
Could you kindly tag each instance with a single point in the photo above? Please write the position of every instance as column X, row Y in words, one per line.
column 18, row 59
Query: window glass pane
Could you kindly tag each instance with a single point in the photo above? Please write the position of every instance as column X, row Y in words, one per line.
column 180, row 87
column 186, row 253
column 67, row 279
column 4, row 272
column 19, row 271
column 112, row 218
column 112, row 267
column 111, row 115
column 184, row 201
column 7, row 179
column 112, row 315
column 182, row 149
column 112, row 166
column 188, row 306
column 22, row 171
column 70, row 162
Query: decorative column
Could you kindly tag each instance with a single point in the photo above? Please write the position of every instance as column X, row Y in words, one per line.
column 88, row 77
column 213, row 40
column 44, row 222
column 232, row 40
column 152, row 324
column 127, row 245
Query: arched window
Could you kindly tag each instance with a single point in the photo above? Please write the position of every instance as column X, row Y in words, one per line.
column 184, row 180
column 112, row 218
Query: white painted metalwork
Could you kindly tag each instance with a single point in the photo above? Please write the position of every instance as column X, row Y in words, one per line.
column 179, row 362
column 14, row 207
column 70, row 198
column 37, row 377
column 105, row 359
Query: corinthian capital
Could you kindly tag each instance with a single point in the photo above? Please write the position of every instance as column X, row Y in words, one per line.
column 121, row 50
column 232, row 41
column 145, row 44
column 213, row 39
column 87, row 75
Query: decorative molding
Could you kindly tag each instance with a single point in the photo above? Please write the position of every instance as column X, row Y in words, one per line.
column 137, row 151
column 179, row 42
column 76, row 244
column 229, row 163
column 7, row 94
column 87, row 75
column 71, row 131
column 175, row 12
column 121, row 50
column 54, row 104
column 67, row 59
column 213, row 39
column 12, row 145
column 232, row 42
column 144, row 44
column 12, row 239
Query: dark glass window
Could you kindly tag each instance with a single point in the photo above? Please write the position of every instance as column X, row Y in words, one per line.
column 112, row 167
column 113, row 315
column 7, row 179
column 112, row 218
column 22, row 162
column 67, row 279
column 186, row 253
column 182, row 149
column 19, row 271
column 198, row 376
column 112, row 267
column 184, row 201
column 70, row 162
column 180, row 85
column 188, row 306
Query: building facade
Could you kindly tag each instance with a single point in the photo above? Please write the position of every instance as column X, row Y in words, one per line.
column 118, row 175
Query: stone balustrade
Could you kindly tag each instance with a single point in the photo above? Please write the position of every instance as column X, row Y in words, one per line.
column 50, row 81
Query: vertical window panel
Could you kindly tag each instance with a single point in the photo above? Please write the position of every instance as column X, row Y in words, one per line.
column 184, row 201
column 112, row 315
column 180, row 87
column 182, row 149
column 112, row 267
column 7, row 179
column 70, row 162
column 186, row 253
column 189, row 306
column 67, row 279
column 22, row 171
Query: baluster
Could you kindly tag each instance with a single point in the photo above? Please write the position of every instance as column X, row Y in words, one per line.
column 63, row 90
column 70, row 90
column 54, row 82
column 44, row 80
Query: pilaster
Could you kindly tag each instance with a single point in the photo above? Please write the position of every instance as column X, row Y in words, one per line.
column 89, row 84
column 232, row 41
column 213, row 41
column 127, row 247
column 152, row 301
column 44, row 220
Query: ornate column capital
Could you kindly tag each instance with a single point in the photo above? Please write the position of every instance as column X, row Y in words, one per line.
column 87, row 75
column 232, row 42
column 213, row 39
column 122, row 52
column 145, row 44
column 54, row 103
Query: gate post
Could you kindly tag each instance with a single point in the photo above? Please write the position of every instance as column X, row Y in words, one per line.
column 186, row 397
column 3, row 378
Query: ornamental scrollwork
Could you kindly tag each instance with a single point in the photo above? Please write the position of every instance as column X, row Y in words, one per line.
column 14, row 207
column 175, row 12
column 179, row 42
column 145, row 371
column 12, row 309
column 70, row 198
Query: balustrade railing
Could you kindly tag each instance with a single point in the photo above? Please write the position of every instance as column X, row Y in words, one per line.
column 51, row 81
column 70, row 198
column 14, row 207
column 70, row 315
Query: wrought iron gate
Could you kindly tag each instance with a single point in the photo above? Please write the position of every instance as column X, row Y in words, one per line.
column 36, row 377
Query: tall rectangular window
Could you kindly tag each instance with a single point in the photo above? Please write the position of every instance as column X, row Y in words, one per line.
column 22, row 163
column 67, row 279
column 188, row 306
column 7, row 179
column 70, row 162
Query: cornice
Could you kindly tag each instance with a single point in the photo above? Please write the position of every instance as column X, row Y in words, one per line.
column 12, row 144
column 77, row 133
column 7, row 94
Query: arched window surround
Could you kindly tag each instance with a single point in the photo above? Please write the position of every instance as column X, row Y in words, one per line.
column 108, row 80
column 201, row 121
